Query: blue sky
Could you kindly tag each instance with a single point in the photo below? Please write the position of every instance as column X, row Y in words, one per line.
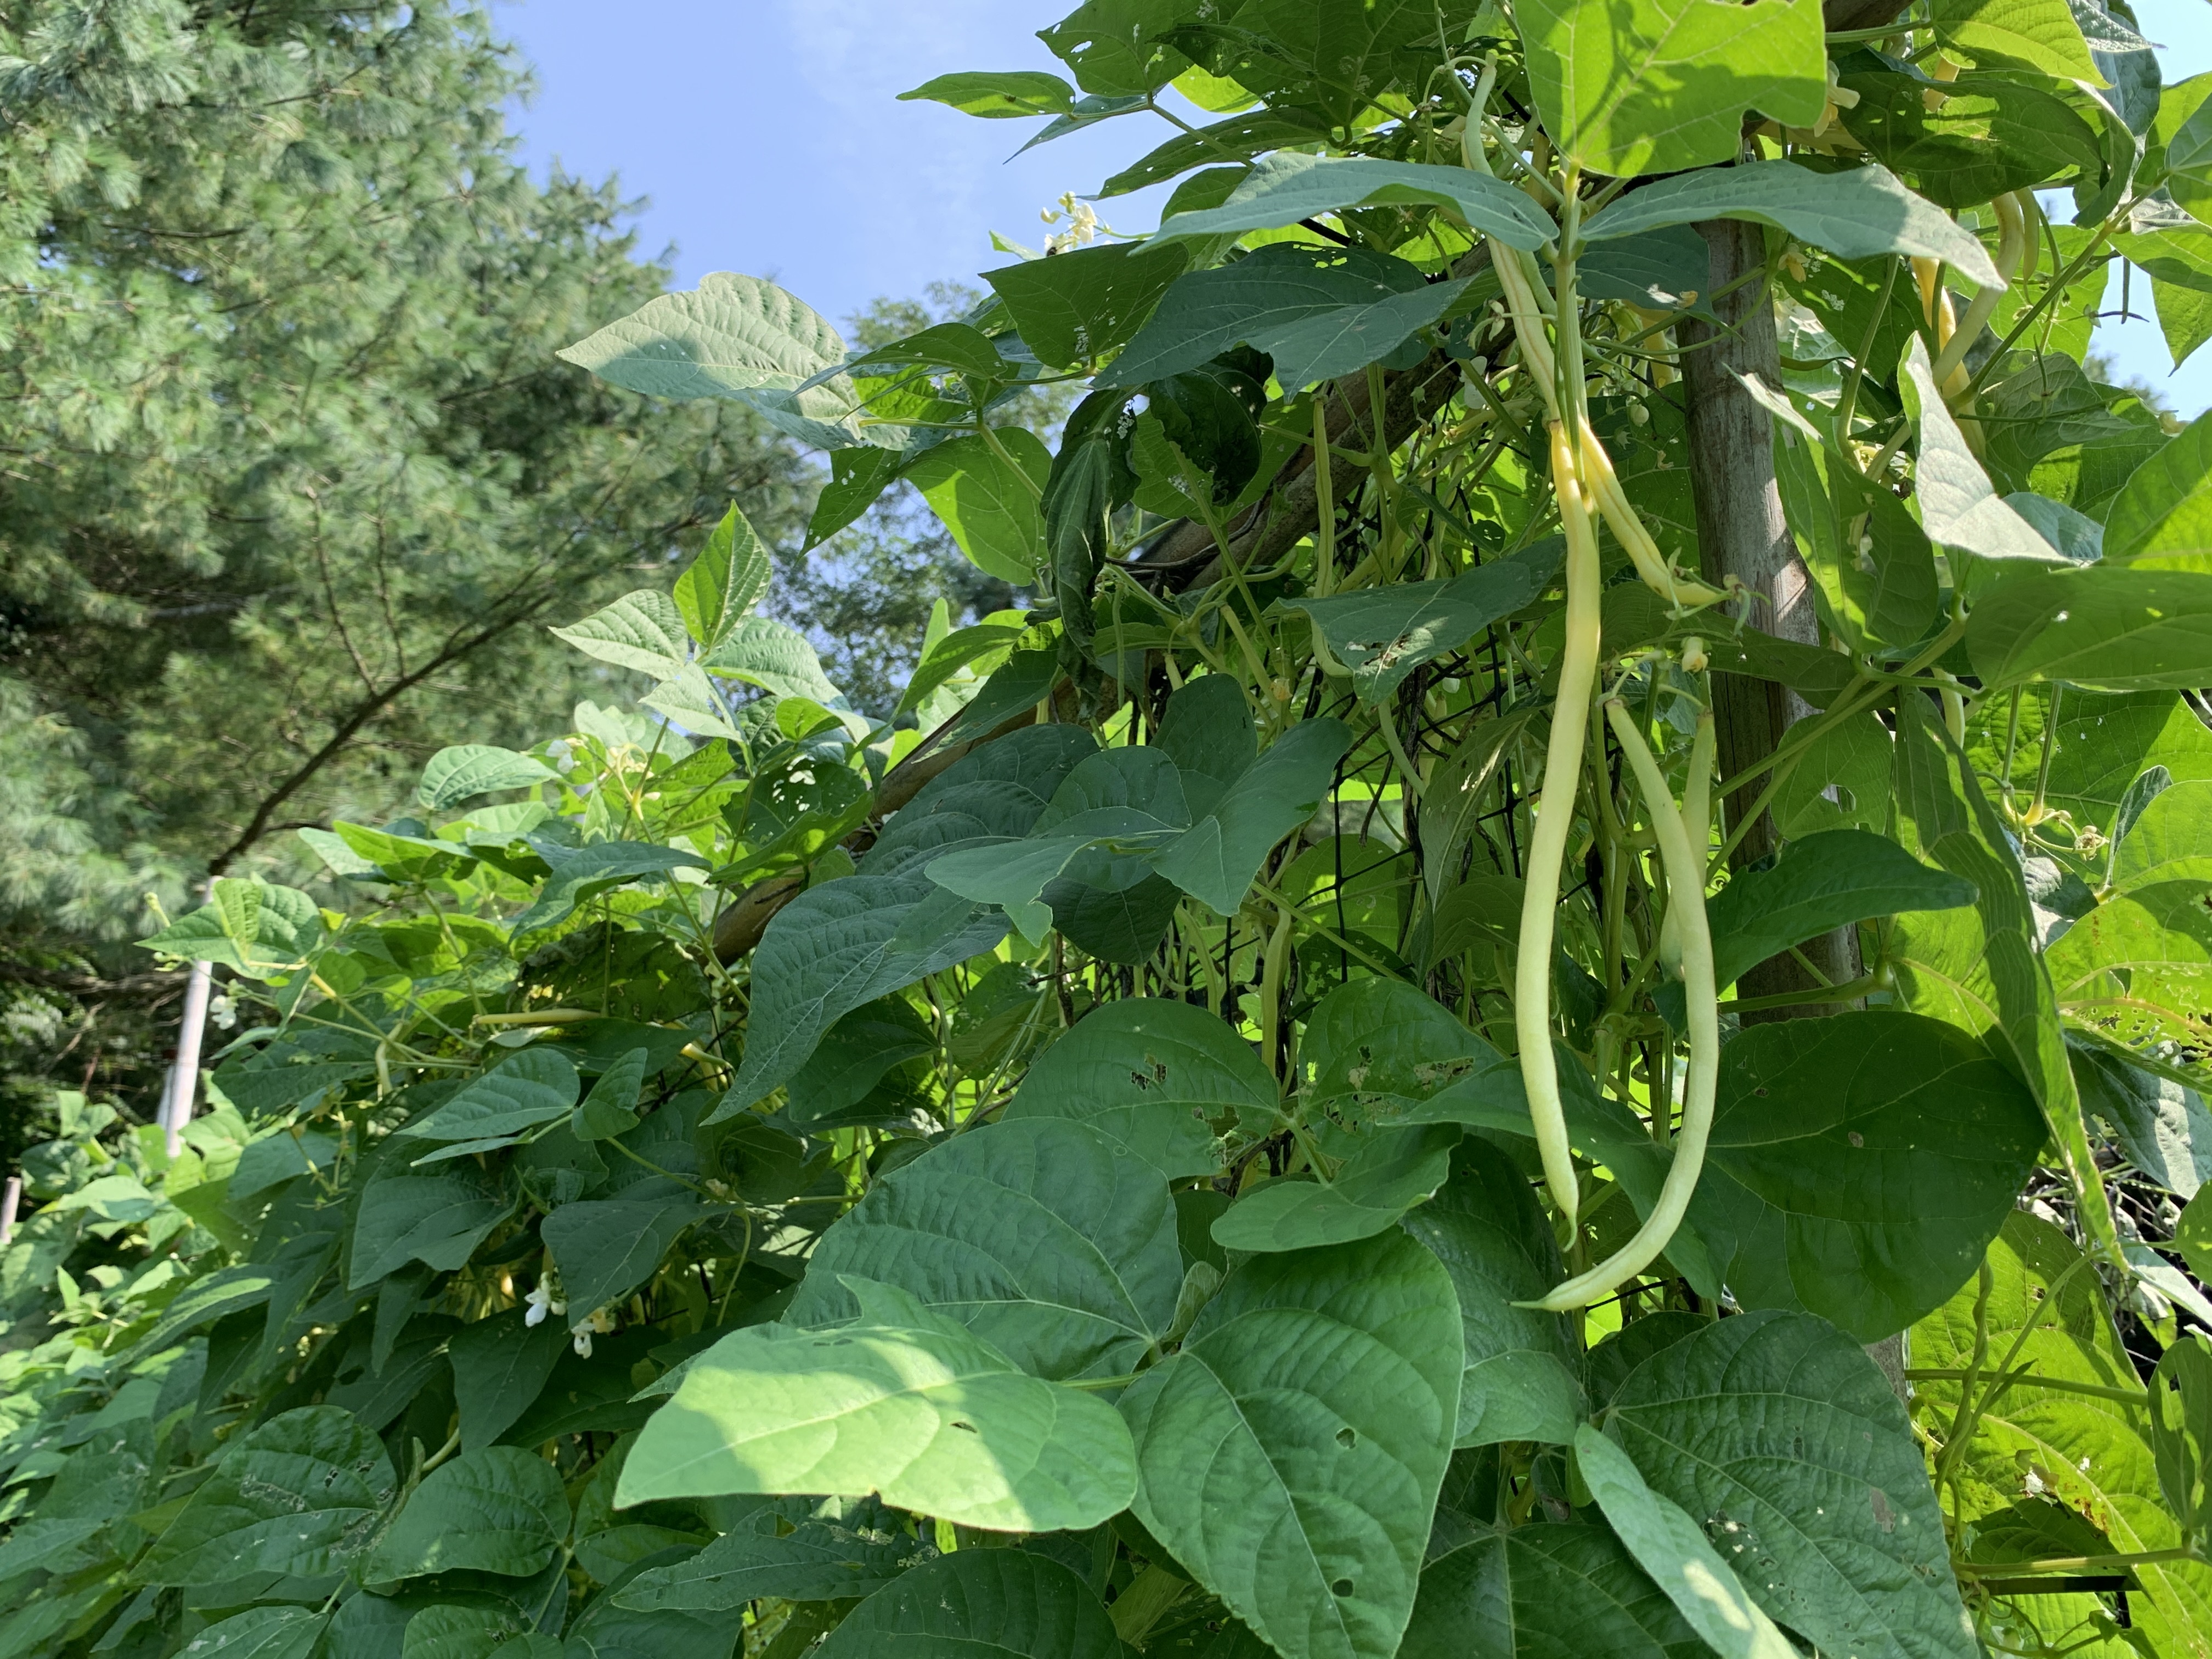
column 767, row 138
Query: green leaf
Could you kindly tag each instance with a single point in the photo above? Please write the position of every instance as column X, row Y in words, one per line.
column 2041, row 1309
column 1673, row 1548
column 2162, row 1126
column 739, row 338
column 1216, row 859
column 1784, row 1437
column 1657, row 86
column 1075, row 307
column 466, row 1631
column 2035, row 34
column 1551, row 1587
column 1381, row 634
column 1521, row 1381
column 1113, row 48
column 1874, row 564
column 437, row 1218
column 1860, row 1165
column 642, row 631
column 1054, row 1245
column 774, row 656
column 1238, row 139
column 2188, row 144
column 1300, row 1494
column 260, row 929
column 989, row 505
column 2170, row 841
column 1978, row 969
column 1317, row 312
column 1827, row 880
column 1389, row 1172
column 2105, row 629
column 533, row 1086
column 1153, row 1076
column 2162, row 517
column 1991, row 133
column 980, row 1604
column 998, row 94
column 607, row 1248
column 725, row 582
column 262, row 1633
column 1854, row 214
column 943, row 345
column 857, row 478
column 1958, row 509
column 836, row 947
column 499, row 1510
column 1380, row 1050
column 500, row 1365
column 1853, row 758
column 905, row 1402
column 1293, row 185
column 582, row 873
column 2181, row 1428
column 818, row 1559
column 300, row 1495
column 2160, row 939
column 610, row 1109
column 469, row 770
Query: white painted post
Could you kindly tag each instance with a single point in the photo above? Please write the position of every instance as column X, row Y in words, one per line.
column 10, row 1200
column 185, row 1080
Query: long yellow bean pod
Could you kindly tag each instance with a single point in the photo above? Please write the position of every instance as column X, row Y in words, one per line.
column 1685, row 882
column 1555, row 818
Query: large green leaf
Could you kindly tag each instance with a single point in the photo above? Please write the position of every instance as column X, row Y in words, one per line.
column 527, row 1089
column 2162, row 1126
column 1854, row 214
column 300, row 1495
column 607, row 1248
column 1860, row 1165
column 1054, row 1245
column 1381, row 634
column 905, row 1402
column 1239, row 138
column 2042, row 1310
column 1978, row 969
column 1389, row 1172
column 2115, row 628
column 980, row 1604
column 1675, row 1552
column 1383, row 1051
column 1300, row 1493
column 2162, row 517
column 725, row 582
column 1216, row 859
column 439, row 1218
column 2035, row 35
column 471, row 769
column 262, row 1633
column 2140, row 966
column 998, row 95
column 1657, row 86
column 1534, row 1592
column 783, row 1550
column 1293, row 185
column 1831, row 879
column 836, row 947
column 500, row 1365
column 1521, row 1381
column 740, row 338
column 1316, row 312
column 1075, row 307
column 1154, row 1076
column 989, row 502
column 501, row 1510
column 260, row 929
column 2170, row 841
column 1986, row 538
column 1779, row 1434
column 642, row 631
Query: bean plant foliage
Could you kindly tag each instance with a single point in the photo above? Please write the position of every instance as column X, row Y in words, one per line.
column 1248, row 1124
